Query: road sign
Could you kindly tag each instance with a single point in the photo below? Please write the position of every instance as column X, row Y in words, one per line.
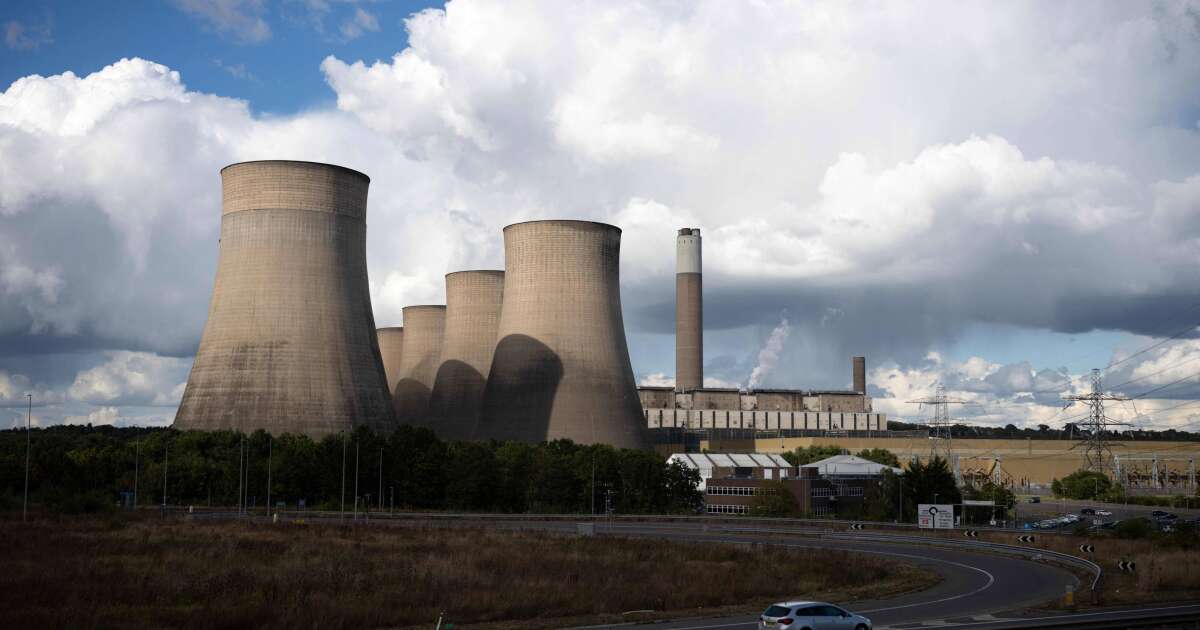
column 1025, row 538
column 935, row 516
column 856, row 526
column 1087, row 548
column 970, row 533
column 1127, row 566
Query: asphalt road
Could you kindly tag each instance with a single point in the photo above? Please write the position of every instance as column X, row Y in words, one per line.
column 1057, row 507
column 974, row 583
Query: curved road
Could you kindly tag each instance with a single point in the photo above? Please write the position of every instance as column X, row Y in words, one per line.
column 974, row 585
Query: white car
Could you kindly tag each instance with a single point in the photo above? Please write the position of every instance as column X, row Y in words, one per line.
column 1103, row 513
column 810, row 616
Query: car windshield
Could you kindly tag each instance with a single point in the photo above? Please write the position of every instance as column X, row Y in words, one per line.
column 777, row 611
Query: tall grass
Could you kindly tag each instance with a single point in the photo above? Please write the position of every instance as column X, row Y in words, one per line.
column 86, row 572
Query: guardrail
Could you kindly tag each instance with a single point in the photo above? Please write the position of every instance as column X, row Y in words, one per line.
column 742, row 519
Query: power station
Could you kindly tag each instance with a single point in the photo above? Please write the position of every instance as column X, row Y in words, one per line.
column 391, row 345
column 473, row 301
column 424, row 328
column 535, row 352
column 289, row 344
column 561, row 367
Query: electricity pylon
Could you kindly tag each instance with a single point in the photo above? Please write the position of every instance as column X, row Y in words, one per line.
column 1095, row 444
column 940, row 443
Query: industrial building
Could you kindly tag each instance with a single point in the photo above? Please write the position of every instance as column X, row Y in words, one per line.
column 561, row 367
column 289, row 344
column 473, row 300
column 731, row 481
column 688, row 417
column 688, row 412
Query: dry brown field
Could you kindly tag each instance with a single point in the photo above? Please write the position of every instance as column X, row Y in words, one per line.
column 122, row 571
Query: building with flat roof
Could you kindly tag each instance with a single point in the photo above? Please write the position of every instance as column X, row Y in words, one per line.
column 731, row 481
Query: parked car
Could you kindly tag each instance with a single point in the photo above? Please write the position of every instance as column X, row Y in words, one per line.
column 1168, row 517
column 813, row 615
column 1103, row 513
column 1158, row 513
column 1035, row 499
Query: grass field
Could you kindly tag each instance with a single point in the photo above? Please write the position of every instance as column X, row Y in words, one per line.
column 119, row 571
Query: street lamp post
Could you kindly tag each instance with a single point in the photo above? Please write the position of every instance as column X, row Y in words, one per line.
column 28, row 451
column 356, row 450
column 241, row 471
column 270, row 456
column 166, row 461
column 342, row 515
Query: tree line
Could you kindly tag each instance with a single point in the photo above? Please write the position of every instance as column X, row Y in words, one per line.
column 1069, row 431
column 89, row 468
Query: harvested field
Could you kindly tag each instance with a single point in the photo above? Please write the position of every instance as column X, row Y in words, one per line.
column 118, row 571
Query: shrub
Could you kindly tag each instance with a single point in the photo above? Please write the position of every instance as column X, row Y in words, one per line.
column 774, row 498
column 1082, row 484
column 1134, row 529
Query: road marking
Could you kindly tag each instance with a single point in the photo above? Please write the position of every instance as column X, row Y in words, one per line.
column 1076, row 615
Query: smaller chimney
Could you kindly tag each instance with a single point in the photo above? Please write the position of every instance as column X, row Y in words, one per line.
column 860, row 374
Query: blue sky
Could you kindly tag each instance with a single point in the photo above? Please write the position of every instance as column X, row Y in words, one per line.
column 279, row 74
column 995, row 198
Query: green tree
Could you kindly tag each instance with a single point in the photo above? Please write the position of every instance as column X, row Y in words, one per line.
column 775, row 499
column 802, row 455
column 1082, row 484
column 929, row 482
column 880, row 456
column 1002, row 496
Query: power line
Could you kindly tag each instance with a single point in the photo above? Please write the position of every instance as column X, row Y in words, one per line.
column 1145, row 376
column 1190, row 328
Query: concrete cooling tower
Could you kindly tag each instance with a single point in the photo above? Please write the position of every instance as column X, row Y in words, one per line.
column 423, row 329
column 473, row 301
column 391, row 345
column 289, row 345
column 689, row 311
column 561, row 367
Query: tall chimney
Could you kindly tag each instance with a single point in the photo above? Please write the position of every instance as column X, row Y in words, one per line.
column 689, row 312
column 860, row 374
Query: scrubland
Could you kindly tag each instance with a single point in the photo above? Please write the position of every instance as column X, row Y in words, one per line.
column 144, row 571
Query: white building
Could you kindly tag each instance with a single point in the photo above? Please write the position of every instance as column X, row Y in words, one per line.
column 735, row 466
column 849, row 466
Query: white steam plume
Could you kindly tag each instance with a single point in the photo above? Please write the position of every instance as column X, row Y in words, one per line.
column 768, row 357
